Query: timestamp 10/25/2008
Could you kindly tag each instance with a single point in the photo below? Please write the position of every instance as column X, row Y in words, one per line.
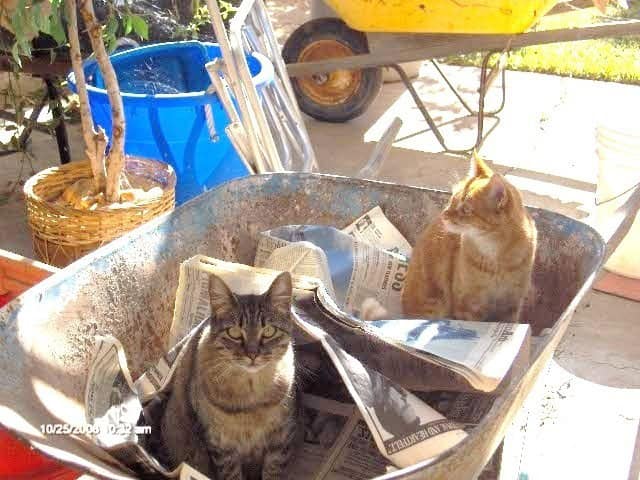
column 88, row 429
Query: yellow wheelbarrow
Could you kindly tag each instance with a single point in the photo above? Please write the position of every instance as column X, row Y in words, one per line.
column 336, row 61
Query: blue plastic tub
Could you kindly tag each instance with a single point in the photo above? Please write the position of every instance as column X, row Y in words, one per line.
column 163, row 91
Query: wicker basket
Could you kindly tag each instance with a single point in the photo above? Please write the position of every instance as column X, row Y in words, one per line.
column 62, row 234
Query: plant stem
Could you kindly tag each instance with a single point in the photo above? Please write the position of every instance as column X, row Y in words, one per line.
column 95, row 141
column 115, row 161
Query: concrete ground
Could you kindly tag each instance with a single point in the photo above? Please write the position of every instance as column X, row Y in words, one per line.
column 583, row 420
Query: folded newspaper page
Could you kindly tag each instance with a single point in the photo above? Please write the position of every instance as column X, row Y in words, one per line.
column 394, row 441
column 303, row 258
column 337, row 443
column 403, row 428
column 483, row 352
column 372, row 273
column 192, row 298
column 374, row 227
column 358, row 269
column 480, row 353
column 465, row 408
column 361, row 264
column 113, row 408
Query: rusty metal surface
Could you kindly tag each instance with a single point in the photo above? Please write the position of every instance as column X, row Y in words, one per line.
column 127, row 289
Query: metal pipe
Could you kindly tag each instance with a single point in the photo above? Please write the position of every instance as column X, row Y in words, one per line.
column 238, row 138
column 252, row 97
column 381, row 150
column 278, row 62
column 266, row 28
column 278, row 122
column 297, row 125
column 213, row 69
column 279, row 127
column 233, row 78
column 288, row 104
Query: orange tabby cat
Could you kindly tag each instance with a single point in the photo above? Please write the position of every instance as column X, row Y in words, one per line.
column 474, row 261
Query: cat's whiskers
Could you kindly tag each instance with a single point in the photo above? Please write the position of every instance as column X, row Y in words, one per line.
column 223, row 374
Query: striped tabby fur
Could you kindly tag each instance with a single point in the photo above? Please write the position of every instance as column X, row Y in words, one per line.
column 232, row 408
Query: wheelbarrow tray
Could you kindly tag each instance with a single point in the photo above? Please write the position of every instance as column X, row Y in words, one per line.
column 441, row 16
column 127, row 289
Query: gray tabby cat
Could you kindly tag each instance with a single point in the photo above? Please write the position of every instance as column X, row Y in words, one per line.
column 232, row 408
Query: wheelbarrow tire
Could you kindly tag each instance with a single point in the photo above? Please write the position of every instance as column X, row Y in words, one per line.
column 337, row 96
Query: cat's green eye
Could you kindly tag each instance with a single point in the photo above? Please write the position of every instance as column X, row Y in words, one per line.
column 268, row 331
column 234, row 333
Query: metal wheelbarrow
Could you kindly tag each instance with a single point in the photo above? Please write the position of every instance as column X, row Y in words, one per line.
column 127, row 289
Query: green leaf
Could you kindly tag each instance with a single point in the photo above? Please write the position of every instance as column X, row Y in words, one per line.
column 110, row 44
column 15, row 52
column 37, row 19
column 111, row 27
column 52, row 25
column 140, row 26
column 56, row 29
column 109, row 33
column 17, row 25
column 128, row 24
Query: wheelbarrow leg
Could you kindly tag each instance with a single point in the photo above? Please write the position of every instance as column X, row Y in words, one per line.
column 480, row 113
column 482, row 93
column 487, row 81
column 425, row 113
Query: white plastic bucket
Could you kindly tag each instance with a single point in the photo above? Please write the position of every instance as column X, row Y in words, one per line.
column 618, row 172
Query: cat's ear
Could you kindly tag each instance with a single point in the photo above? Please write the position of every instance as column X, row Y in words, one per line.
column 279, row 293
column 497, row 191
column 478, row 167
column 221, row 297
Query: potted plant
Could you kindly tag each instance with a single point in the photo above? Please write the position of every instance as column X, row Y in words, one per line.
column 75, row 208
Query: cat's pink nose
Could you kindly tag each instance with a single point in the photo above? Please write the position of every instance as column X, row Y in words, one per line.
column 252, row 355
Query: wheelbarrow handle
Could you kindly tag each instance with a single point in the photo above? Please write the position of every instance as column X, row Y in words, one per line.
column 616, row 227
column 381, row 150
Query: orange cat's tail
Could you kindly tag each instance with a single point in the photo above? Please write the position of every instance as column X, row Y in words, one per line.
column 371, row 310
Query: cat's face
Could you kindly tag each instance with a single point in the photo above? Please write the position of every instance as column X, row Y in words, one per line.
column 480, row 203
column 251, row 331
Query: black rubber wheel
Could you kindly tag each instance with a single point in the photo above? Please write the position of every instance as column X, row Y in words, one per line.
column 337, row 96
